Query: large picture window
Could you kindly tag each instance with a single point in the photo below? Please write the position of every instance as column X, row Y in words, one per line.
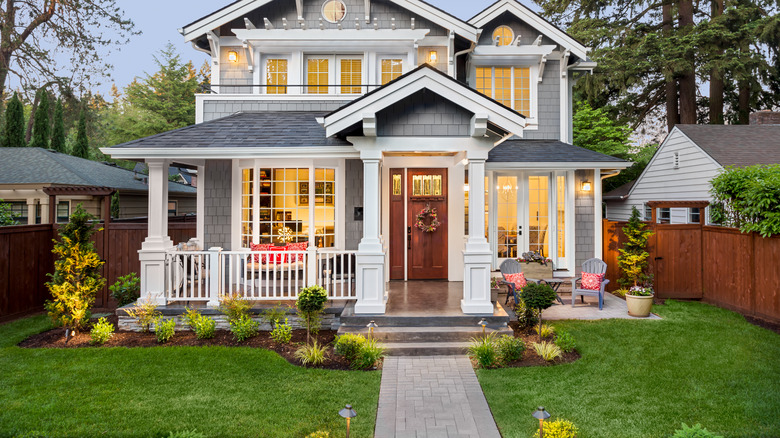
column 509, row 85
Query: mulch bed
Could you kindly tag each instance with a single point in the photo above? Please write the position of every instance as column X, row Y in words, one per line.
column 55, row 338
column 530, row 358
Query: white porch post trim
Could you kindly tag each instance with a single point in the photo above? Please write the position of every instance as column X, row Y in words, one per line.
column 200, row 208
column 597, row 215
column 44, row 201
column 477, row 257
column 370, row 259
column 157, row 243
column 31, row 211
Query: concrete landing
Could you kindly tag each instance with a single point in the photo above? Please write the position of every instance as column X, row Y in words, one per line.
column 614, row 308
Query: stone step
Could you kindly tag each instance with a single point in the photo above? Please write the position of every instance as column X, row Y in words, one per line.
column 425, row 348
column 425, row 334
column 424, row 321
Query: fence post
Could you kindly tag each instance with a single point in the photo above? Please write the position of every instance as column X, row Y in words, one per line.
column 215, row 257
column 311, row 268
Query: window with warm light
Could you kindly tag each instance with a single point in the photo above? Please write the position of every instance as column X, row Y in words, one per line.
column 334, row 11
column 351, row 76
column 503, row 36
column 317, row 75
column 276, row 76
column 509, row 85
column 391, row 69
column 561, row 213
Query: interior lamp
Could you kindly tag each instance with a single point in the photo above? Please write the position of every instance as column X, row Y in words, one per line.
column 433, row 56
column 586, row 186
column 232, row 56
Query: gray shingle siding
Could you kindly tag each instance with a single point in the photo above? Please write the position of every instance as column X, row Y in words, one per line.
column 424, row 114
column 584, row 220
column 354, row 198
column 548, row 104
column 218, row 185
column 216, row 109
column 527, row 33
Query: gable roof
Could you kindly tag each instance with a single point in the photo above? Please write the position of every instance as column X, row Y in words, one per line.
column 736, row 145
column 532, row 19
column 424, row 77
column 549, row 151
column 241, row 7
column 42, row 166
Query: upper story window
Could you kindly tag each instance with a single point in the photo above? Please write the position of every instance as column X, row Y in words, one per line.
column 317, row 75
column 334, row 11
column 503, row 36
column 351, row 75
column 276, row 76
column 391, row 69
column 322, row 78
column 508, row 85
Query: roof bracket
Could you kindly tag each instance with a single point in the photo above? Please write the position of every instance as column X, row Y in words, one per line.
column 249, row 25
column 357, row 24
column 322, row 24
column 369, row 125
column 542, row 63
column 214, row 43
column 565, row 63
column 479, row 125
column 368, row 11
column 285, row 24
column 412, row 23
column 299, row 9
column 250, row 55
column 537, row 41
column 267, row 23
column 376, row 23
column 302, row 22
column 392, row 23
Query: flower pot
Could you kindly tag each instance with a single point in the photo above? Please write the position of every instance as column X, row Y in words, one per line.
column 537, row 271
column 639, row 306
column 494, row 294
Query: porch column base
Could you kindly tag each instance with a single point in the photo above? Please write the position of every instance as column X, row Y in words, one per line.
column 152, row 258
column 476, row 283
column 370, row 284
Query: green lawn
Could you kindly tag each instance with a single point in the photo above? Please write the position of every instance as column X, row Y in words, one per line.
column 700, row 364
column 148, row 392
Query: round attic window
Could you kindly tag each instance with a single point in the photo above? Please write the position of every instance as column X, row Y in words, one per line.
column 503, row 36
column 334, row 10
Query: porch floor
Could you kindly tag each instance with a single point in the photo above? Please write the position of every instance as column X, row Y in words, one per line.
column 614, row 308
column 428, row 298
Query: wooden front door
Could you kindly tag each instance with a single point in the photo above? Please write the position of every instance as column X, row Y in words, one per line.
column 426, row 251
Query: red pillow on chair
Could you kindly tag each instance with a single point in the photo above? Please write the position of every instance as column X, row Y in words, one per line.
column 591, row 281
column 517, row 279
column 260, row 247
column 300, row 246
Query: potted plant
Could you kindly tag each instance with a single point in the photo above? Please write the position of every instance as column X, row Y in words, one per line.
column 495, row 288
column 633, row 263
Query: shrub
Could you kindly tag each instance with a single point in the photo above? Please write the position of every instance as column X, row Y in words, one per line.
column 126, row 290
column 483, row 350
column 203, row 326
column 547, row 351
column 349, row 345
column 244, row 328
column 7, row 217
column 559, row 429
column 526, row 316
column 621, row 292
column 693, row 432
column 77, row 275
column 145, row 313
column 311, row 354
column 746, row 198
column 318, row 434
column 565, row 341
column 282, row 333
column 632, row 259
column 538, row 297
column 274, row 314
column 234, row 307
column 186, row 434
column 370, row 353
column 545, row 330
column 164, row 329
column 101, row 332
column 509, row 348
column 310, row 304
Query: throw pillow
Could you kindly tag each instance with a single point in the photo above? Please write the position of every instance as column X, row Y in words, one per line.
column 300, row 246
column 591, row 281
column 260, row 247
column 517, row 279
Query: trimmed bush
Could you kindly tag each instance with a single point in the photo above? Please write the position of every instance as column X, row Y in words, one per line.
column 282, row 332
column 538, row 297
column 311, row 354
column 509, row 348
column 349, row 345
column 234, row 307
column 565, row 341
column 126, row 290
column 101, row 332
column 203, row 326
column 310, row 304
column 559, row 429
column 692, row 432
column 368, row 356
column 483, row 351
column 244, row 328
column 164, row 329
column 145, row 314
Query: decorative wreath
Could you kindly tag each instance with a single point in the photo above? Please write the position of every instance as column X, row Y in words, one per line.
column 424, row 214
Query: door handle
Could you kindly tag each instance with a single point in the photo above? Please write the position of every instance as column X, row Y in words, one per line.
column 520, row 230
column 409, row 238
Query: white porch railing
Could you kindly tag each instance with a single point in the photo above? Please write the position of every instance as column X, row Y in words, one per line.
column 258, row 275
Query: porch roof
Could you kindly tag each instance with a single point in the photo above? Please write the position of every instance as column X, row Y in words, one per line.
column 550, row 151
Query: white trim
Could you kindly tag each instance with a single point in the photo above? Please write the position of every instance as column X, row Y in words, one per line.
column 598, row 243
column 234, row 152
column 553, row 165
column 531, row 118
column 528, row 16
column 327, row 37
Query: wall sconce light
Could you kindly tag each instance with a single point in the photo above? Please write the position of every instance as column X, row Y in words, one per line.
column 466, row 188
column 586, row 186
column 232, row 56
column 433, row 56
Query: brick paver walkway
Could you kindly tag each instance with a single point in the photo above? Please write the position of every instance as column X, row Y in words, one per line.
column 432, row 396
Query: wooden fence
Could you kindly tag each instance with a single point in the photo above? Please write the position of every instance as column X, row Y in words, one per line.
column 719, row 265
column 26, row 258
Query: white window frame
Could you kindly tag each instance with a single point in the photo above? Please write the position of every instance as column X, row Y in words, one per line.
column 404, row 65
column 532, row 117
column 334, row 73
column 264, row 73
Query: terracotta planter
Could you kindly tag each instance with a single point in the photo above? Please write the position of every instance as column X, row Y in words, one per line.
column 639, row 306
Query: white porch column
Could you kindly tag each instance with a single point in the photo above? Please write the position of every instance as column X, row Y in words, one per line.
column 200, row 208
column 370, row 282
column 157, row 243
column 31, row 211
column 477, row 256
column 598, row 245
column 44, row 210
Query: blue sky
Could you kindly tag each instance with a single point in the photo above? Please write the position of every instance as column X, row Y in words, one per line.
column 160, row 19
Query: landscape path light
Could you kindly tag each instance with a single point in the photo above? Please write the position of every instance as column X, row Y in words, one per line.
column 348, row 413
column 541, row 414
column 371, row 326
column 483, row 322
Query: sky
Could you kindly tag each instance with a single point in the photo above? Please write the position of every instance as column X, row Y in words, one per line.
column 159, row 21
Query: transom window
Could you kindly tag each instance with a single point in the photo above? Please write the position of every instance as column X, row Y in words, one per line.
column 276, row 76
column 426, row 185
column 508, row 85
column 334, row 11
column 391, row 69
column 503, row 36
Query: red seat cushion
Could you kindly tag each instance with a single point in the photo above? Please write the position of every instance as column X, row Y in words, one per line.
column 591, row 281
column 260, row 247
column 517, row 279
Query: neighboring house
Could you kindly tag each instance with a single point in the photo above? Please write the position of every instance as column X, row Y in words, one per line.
column 28, row 175
column 181, row 175
column 685, row 163
column 337, row 122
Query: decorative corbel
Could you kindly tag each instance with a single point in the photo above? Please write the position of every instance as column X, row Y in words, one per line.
column 249, row 25
column 302, row 23
column 357, row 24
column 250, row 55
column 565, row 63
column 538, row 41
column 412, row 23
column 368, row 10
column 479, row 125
column 392, row 23
column 542, row 63
column 285, row 24
column 322, row 24
column 376, row 23
column 214, row 44
column 299, row 9
column 268, row 24
column 369, row 125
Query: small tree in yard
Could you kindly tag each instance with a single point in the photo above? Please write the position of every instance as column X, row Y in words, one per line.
column 310, row 304
column 632, row 259
column 76, row 277
column 538, row 297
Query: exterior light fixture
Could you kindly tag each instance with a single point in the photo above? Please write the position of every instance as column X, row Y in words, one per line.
column 371, row 326
column 586, row 186
column 465, row 187
column 233, row 56
column 541, row 415
column 483, row 323
column 433, row 56
column 349, row 413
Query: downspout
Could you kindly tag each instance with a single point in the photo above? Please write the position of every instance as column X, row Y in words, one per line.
column 610, row 175
column 464, row 52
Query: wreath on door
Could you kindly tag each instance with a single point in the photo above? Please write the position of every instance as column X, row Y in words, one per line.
column 422, row 218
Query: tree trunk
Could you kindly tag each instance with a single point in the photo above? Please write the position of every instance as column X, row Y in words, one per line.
column 688, row 76
column 30, row 122
column 716, row 76
column 744, row 103
column 672, row 111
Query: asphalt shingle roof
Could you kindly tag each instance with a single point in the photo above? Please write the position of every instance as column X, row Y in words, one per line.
column 539, row 151
column 737, row 145
column 246, row 129
column 41, row 166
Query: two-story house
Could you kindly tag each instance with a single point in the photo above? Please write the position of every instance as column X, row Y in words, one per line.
column 339, row 127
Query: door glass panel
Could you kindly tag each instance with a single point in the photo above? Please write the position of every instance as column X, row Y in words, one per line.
column 538, row 215
column 417, row 185
column 561, row 216
column 506, row 216
column 396, row 185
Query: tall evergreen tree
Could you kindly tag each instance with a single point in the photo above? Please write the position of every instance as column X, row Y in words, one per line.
column 58, row 132
column 42, row 124
column 81, row 148
column 14, row 124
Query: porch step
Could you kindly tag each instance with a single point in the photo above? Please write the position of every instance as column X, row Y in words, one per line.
column 425, row 340
column 423, row 321
column 425, row 348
